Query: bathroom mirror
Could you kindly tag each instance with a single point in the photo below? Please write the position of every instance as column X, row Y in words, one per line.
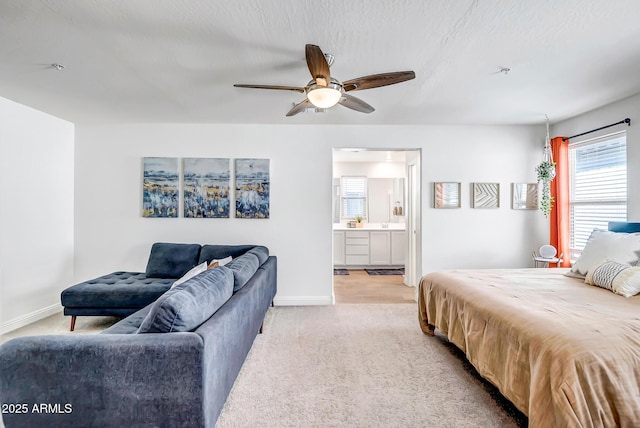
column 446, row 194
column 385, row 199
column 524, row 196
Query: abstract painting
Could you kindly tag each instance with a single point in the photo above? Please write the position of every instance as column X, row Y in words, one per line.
column 160, row 187
column 252, row 188
column 206, row 183
column 446, row 194
column 486, row 195
column 524, row 196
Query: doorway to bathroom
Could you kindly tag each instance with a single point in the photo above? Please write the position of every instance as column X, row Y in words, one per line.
column 376, row 225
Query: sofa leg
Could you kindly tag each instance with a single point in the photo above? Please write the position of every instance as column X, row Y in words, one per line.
column 261, row 326
column 273, row 304
column 73, row 322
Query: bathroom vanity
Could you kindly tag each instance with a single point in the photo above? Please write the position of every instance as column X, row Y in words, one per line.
column 374, row 245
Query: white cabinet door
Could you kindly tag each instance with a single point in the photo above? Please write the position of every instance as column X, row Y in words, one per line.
column 338, row 248
column 398, row 247
column 379, row 248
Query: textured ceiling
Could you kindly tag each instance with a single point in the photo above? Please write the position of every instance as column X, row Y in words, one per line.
column 177, row 60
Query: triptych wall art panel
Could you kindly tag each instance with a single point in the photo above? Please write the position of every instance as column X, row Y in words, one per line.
column 524, row 196
column 160, row 187
column 252, row 188
column 206, row 187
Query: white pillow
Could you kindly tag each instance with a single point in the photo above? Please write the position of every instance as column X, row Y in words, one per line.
column 621, row 247
column 193, row 272
column 219, row 262
column 618, row 277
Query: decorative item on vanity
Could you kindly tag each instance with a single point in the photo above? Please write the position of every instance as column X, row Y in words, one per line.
column 546, row 171
column 359, row 223
column 397, row 209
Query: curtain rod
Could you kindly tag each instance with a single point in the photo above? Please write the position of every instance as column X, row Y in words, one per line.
column 627, row 121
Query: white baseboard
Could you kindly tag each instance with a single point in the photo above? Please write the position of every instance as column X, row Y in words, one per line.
column 303, row 301
column 29, row 318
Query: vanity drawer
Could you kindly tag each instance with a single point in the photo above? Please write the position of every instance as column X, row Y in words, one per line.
column 357, row 260
column 357, row 250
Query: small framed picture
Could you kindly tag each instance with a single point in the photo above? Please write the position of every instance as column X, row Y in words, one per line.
column 524, row 196
column 446, row 194
column 486, row 195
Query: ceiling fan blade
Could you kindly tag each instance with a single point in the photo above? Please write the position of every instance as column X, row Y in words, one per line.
column 377, row 80
column 356, row 104
column 301, row 106
column 318, row 65
column 282, row 88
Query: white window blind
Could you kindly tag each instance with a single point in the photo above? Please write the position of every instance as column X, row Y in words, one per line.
column 354, row 197
column 598, row 186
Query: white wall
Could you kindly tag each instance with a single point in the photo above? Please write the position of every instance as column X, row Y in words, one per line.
column 612, row 113
column 36, row 213
column 110, row 233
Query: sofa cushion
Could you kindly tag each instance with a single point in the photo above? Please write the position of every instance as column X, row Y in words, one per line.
column 186, row 306
column 216, row 252
column 262, row 253
column 130, row 324
column 168, row 260
column 243, row 268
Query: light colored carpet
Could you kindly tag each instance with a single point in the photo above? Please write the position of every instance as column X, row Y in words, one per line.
column 359, row 366
column 350, row 365
column 60, row 324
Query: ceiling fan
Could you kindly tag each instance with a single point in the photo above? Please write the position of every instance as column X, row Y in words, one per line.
column 324, row 91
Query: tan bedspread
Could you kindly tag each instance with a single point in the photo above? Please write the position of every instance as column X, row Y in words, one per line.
column 565, row 353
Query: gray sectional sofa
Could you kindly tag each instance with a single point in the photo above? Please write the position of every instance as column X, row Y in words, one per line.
column 169, row 364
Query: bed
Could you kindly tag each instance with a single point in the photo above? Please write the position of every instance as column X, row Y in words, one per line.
column 567, row 354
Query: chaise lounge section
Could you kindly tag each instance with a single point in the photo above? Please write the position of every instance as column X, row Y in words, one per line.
column 171, row 363
column 123, row 293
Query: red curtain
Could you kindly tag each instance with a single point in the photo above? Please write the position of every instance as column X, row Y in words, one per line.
column 559, row 217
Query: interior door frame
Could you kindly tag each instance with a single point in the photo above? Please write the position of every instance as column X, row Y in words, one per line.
column 413, row 209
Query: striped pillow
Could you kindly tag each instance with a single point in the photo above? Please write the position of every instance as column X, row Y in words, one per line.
column 620, row 278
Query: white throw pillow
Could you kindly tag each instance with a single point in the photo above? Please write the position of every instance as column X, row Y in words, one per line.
column 192, row 272
column 618, row 277
column 621, row 247
column 219, row 262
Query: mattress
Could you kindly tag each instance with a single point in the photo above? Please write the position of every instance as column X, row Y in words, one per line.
column 566, row 354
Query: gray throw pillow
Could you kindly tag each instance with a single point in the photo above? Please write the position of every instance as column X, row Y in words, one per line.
column 186, row 306
column 243, row 268
column 262, row 253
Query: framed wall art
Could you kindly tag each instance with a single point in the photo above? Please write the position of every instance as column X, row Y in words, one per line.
column 446, row 194
column 486, row 195
column 160, row 187
column 252, row 188
column 205, row 186
column 524, row 196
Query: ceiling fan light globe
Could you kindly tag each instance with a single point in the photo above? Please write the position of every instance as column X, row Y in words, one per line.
column 324, row 96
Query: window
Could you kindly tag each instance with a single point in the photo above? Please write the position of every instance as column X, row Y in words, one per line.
column 598, row 186
column 353, row 197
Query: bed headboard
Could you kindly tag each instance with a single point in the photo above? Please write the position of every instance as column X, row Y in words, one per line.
column 620, row 226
